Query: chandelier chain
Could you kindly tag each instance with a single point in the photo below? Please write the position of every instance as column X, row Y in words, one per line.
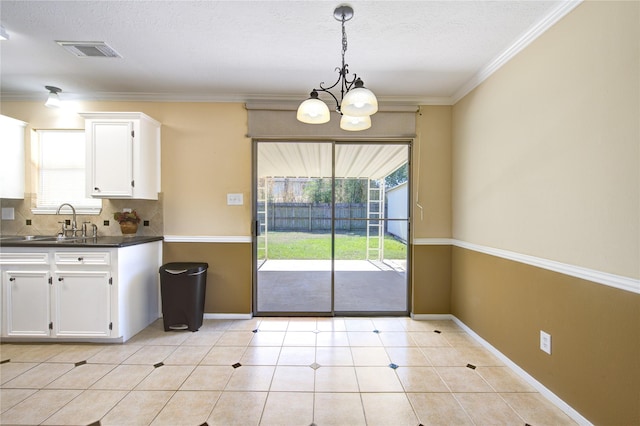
column 344, row 40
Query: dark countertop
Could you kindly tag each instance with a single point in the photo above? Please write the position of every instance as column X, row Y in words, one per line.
column 108, row 242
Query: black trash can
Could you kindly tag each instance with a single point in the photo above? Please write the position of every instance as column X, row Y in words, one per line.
column 182, row 286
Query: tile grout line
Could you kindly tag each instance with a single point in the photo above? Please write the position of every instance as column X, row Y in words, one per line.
column 149, row 341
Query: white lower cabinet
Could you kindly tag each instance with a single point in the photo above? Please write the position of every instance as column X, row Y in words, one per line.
column 83, row 303
column 102, row 294
column 28, row 303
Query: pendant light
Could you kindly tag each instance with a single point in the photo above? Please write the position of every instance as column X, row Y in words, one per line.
column 53, row 101
column 356, row 101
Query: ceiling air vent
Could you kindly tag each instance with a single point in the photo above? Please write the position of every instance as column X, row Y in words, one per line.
column 89, row 49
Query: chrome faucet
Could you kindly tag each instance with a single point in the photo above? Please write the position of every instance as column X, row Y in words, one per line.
column 74, row 227
column 94, row 229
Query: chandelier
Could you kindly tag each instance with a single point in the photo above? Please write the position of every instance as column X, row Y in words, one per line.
column 356, row 104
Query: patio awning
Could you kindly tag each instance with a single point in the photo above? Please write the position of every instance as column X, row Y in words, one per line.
column 314, row 160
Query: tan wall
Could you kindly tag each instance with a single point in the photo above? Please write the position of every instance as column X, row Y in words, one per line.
column 205, row 155
column 431, row 278
column 595, row 331
column 228, row 277
column 546, row 153
column 431, row 168
column 546, row 162
column 431, row 213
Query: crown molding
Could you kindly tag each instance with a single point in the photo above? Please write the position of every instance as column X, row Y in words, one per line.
column 389, row 103
column 556, row 14
column 523, row 41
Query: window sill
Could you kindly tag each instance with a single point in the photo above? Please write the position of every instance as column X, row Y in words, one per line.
column 79, row 210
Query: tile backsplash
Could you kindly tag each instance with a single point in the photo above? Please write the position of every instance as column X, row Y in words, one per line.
column 27, row 223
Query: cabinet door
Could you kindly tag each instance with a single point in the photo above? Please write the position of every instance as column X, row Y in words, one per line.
column 82, row 304
column 11, row 157
column 110, row 159
column 28, row 303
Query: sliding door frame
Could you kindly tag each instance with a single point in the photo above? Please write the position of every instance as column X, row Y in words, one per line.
column 255, row 142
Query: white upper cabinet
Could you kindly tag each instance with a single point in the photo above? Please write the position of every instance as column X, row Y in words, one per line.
column 11, row 157
column 123, row 155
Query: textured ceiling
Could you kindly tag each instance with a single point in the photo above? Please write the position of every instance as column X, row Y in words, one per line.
column 417, row 52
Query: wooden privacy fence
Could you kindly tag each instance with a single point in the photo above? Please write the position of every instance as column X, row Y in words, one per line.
column 309, row 217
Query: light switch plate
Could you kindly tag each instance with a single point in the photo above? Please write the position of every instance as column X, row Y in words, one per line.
column 8, row 213
column 235, row 199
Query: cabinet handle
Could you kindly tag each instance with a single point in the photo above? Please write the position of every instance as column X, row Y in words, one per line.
column 96, row 189
column 80, row 259
column 60, row 279
column 12, row 279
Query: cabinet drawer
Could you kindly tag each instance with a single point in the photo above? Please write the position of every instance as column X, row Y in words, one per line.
column 83, row 258
column 24, row 258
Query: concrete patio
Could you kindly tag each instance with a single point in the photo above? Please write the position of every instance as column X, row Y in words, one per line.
column 305, row 286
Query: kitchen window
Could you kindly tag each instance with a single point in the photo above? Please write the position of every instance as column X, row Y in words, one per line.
column 60, row 159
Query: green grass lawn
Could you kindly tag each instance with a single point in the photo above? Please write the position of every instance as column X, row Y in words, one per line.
column 307, row 245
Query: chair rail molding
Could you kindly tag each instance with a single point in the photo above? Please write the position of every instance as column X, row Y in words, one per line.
column 604, row 278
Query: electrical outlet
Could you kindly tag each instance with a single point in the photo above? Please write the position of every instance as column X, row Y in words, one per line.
column 545, row 342
column 8, row 213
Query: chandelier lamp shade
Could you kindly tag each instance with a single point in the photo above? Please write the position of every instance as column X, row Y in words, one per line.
column 356, row 103
column 313, row 110
column 354, row 124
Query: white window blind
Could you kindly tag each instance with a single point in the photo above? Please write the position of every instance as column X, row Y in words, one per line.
column 61, row 172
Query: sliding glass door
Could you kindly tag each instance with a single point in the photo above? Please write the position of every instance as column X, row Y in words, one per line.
column 331, row 228
column 370, row 256
column 293, row 222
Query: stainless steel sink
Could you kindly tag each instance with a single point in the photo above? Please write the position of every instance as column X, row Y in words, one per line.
column 38, row 238
column 27, row 238
column 42, row 238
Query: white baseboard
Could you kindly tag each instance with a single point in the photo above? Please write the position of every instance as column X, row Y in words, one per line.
column 431, row 317
column 228, row 316
column 553, row 398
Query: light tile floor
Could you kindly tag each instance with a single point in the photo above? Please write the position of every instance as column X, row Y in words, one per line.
column 271, row 371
